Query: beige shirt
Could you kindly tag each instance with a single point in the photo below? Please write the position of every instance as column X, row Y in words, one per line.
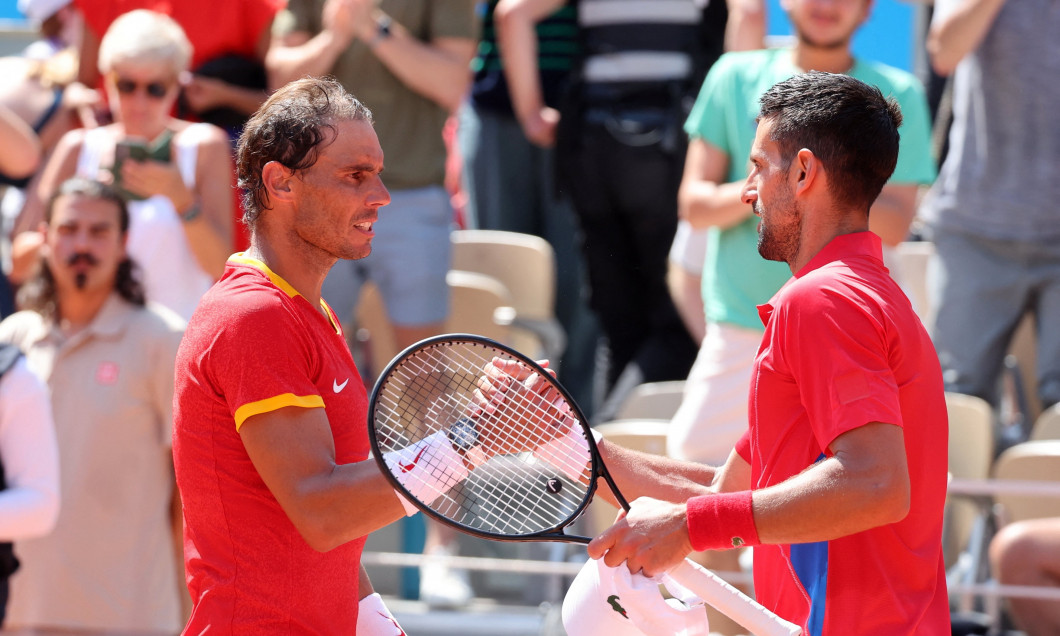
column 109, row 564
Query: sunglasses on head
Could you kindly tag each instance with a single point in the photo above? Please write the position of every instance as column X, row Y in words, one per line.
column 155, row 90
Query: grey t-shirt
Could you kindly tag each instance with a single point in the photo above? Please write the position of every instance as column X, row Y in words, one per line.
column 1001, row 178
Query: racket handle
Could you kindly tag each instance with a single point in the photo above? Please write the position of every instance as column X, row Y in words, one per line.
column 732, row 602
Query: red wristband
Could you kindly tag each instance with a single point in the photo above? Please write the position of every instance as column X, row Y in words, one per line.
column 721, row 522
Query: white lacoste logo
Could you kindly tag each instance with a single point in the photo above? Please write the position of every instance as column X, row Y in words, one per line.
column 338, row 387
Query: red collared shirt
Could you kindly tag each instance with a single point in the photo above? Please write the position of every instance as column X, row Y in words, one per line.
column 843, row 348
column 255, row 345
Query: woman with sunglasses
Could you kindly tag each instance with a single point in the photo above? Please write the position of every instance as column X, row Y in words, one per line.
column 176, row 175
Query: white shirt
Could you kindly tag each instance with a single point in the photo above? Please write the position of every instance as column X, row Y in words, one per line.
column 29, row 506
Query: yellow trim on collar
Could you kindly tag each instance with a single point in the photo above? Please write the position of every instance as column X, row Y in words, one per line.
column 274, row 404
column 276, row 279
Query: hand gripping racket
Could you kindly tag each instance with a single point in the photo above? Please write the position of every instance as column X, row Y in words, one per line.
column 483, row 439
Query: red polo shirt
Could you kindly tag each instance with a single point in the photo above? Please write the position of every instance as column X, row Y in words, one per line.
column 255, row 345
column 843, row 348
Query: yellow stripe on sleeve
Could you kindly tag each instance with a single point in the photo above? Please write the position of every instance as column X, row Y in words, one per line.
column 275, row 403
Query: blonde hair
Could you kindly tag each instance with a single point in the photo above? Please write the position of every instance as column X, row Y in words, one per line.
column 56, row 71
column 143, row 36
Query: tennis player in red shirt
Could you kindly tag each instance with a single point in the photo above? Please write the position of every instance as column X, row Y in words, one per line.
column 840, row 479
column 270, row 443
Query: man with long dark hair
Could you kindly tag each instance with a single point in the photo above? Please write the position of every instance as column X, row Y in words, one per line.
column 107, row 357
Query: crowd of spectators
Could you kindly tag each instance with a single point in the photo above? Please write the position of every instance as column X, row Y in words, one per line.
column 568, row 128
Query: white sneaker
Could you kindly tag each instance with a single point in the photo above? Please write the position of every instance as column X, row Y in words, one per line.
column 442, row 586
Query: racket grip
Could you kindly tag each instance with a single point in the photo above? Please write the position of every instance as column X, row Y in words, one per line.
column 730, row 601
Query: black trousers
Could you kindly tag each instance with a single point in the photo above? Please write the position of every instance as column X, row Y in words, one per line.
column 622, row 172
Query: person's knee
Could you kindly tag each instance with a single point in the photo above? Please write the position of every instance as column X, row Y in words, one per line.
column 1016, row 553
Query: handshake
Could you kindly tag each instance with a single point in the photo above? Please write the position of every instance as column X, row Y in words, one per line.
column 513, row 412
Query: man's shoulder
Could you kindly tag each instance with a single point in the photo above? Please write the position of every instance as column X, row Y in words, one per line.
column 158, row 318
column 242, row 291
column 21, row 318
column 748, row 64
column 19, row 328
column 152, row 327
column 242, row 305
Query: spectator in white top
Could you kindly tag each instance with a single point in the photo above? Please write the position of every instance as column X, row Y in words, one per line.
column 29, row 462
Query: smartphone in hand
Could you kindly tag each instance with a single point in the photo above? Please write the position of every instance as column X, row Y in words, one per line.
column 125, row 149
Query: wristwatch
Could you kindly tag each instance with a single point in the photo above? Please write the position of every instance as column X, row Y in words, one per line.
column 463, row 434
column 190, row 214
column 382, row 30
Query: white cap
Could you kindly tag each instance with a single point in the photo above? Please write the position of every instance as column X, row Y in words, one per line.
column 41, row 10
column 605, row 601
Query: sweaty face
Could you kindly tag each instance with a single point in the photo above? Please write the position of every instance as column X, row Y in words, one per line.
column 827, row 24
column 83, row 244
column 339, row 196
column 769, row 193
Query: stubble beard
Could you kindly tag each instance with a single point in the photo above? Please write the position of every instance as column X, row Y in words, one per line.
column 781, row 243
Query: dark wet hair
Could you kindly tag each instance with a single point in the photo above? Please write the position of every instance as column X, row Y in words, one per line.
column 288, row 128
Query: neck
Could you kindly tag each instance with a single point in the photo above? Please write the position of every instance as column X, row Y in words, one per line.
column 290, row 260
column 77, row 308
column 815, row 238
column 832, row 59
column 150, row 133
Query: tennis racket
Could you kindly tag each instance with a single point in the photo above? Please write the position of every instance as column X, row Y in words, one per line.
column 485, row 440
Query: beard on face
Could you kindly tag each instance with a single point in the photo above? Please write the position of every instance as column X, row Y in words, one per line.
column 780, row 241
column 81, row 277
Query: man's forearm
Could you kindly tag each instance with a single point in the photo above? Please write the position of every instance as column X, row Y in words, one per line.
column 437, row 70
column 892, row 213
column 707, row 204
column 954, row 36
column 640, row 474
column 312, row 56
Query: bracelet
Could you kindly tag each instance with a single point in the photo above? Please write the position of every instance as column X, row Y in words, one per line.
column 193, row 212
column 721, row 522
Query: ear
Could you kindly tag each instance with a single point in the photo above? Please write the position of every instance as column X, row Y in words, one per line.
column 42, row 247
column 806, row 171
column 277, row 179
column 867, row 13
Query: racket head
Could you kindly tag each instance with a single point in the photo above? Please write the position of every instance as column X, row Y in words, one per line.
column 430, row 388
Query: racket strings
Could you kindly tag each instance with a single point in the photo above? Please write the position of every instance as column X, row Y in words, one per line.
column 496, row 490
column 513, row 493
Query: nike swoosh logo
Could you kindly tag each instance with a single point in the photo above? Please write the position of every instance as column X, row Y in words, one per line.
column 335, row 386
column 415, row 460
